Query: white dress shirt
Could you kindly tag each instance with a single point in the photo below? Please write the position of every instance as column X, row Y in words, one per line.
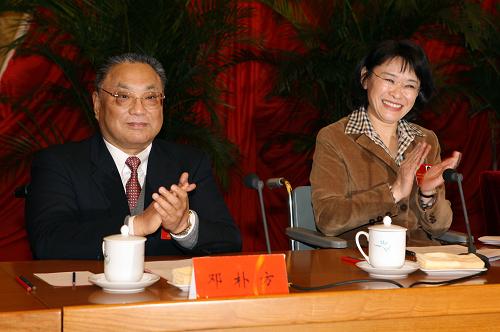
column 119, row 158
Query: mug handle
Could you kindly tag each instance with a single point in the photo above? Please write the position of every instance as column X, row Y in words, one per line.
column 103, row 250
column 358, row 234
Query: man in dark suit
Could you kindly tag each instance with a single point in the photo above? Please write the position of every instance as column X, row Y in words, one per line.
column 81, row 192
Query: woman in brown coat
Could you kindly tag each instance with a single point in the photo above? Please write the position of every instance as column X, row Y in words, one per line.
column 365, row 164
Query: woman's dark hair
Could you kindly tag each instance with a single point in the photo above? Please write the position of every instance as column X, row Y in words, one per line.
column 413, row 57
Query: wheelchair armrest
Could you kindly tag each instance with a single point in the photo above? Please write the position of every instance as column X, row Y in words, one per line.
column 315, row 238
column 453, row 237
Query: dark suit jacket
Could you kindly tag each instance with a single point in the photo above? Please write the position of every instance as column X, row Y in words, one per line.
column 76, row 198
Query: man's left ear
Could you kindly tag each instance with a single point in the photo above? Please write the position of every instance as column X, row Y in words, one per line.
column 96, row 103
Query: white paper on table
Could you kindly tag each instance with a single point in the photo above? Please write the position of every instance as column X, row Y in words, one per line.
column 192, row 287
column 164, row 268
column 65, row 279
column 491, row 254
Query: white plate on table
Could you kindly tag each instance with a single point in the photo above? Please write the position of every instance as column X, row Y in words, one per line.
column 493, row 240
column 457, row 273
column 124, row 287
column 400, row 273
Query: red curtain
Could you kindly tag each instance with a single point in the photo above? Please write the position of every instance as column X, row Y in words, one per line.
column 255, row 121
column 490, row 196
column 24, row 74
column 471, row 136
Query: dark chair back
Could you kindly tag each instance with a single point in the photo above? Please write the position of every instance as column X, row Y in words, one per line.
column 21, row 191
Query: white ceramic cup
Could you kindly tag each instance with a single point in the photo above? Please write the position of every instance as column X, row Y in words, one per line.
column 123, row 257
column 386, row 245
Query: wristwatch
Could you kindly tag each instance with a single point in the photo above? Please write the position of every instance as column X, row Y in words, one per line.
column 186, row 230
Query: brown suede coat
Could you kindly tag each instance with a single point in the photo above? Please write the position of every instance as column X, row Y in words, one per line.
column 350, row 181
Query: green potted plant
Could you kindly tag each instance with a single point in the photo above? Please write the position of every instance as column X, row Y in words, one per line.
column 336, row 34
column 192, row 39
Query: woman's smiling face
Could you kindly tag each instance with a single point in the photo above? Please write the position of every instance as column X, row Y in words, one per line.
column 392, row 90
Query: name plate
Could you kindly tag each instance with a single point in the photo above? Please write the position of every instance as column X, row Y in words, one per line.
column 243, row 275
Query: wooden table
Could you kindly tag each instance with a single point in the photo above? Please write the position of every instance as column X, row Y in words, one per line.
column 20, row 310
column 362, row 306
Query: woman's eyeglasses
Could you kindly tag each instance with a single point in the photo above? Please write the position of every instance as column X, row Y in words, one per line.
column 408, row 88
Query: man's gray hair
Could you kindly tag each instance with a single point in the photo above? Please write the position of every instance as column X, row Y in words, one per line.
column 104, row 69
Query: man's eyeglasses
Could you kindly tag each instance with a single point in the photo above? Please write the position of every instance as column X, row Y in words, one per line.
column 408, row 88
column 149, row 100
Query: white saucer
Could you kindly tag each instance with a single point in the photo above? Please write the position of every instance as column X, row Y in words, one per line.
column 124, row 287
column 400, row 273
column 453, row 273
column 101, row 297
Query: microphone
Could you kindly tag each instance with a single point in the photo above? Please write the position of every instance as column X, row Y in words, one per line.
column 451, row 175
column 273, row 183
column 252, row 181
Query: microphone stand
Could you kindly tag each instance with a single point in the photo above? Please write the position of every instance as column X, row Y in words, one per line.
column 253, row 181
column 264, row 219
column 470, row 239
column 452, row 175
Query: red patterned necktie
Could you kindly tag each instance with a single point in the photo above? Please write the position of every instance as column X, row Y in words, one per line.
column 133, row 188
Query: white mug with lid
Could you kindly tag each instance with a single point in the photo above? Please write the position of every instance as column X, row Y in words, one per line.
column 387, row 245
column 123, row 257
